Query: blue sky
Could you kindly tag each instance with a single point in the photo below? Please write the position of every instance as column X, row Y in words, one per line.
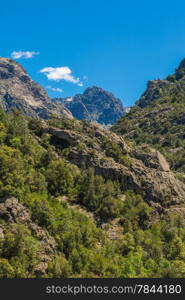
column 116, row 44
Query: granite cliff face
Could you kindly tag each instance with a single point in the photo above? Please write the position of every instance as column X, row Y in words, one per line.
column 18, row 90
column 95, row 105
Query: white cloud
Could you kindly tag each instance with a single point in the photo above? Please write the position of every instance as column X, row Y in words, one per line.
column 61, row 73
column 23, row 54
column 58, row 90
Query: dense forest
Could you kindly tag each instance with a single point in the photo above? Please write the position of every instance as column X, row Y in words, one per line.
column 56, row 218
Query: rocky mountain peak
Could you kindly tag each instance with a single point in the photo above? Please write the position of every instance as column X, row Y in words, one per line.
column 9, row 68
column 95, row 91
column 95, row 104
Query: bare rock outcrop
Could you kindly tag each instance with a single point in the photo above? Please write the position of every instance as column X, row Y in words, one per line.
column 152, row 158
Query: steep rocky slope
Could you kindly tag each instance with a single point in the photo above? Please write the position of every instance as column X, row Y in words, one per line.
column 158, row 118
column 95, row 104
column 18, row 90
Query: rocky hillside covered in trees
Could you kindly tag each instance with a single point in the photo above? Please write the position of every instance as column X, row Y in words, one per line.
column 77, row 200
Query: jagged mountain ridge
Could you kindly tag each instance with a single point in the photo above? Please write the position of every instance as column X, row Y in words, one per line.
column 18, row 90
column 95, row 105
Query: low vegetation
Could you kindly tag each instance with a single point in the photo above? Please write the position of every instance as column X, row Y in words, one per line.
column 49, row 187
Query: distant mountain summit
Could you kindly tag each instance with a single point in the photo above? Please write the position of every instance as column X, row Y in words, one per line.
column 95, row 105
column 18, row 90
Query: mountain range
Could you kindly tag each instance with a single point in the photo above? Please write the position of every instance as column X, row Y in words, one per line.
column 78, row 200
